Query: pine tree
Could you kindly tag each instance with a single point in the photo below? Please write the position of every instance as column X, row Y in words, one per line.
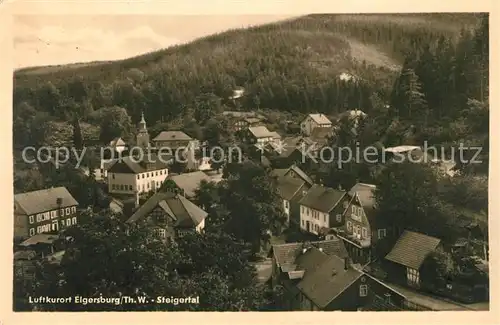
column 77, row 134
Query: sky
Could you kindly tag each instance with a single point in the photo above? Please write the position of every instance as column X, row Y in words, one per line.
column 57, row 39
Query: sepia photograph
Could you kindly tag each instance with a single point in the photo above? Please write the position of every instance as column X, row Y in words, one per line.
column 315, row 162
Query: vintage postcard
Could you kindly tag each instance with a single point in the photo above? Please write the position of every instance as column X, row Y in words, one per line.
column 276, row 161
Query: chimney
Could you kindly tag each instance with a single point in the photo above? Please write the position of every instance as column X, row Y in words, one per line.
column 346, row 263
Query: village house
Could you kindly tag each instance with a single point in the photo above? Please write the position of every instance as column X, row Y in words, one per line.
column 171, row 215
column 188, row 183
column 408, row 255
column 43, row 211
column 361, row 229
column 130, row 175
column 319, row 276
column 294, row 172
column 259, row 135
column 174, row 140
column 313, row 121
column 321, row 208
column 43, row 244
column 291, row 190
column 238, row 121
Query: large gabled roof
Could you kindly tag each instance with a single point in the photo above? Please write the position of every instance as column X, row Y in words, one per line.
column 44, row 200
column 412, row 248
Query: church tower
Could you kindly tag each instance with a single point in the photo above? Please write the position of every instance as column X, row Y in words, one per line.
column 142, row 139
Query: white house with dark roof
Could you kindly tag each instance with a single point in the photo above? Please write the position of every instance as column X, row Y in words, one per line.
column 130, row 175
column 171, row 215
column 321, row 208
column 43, row 211
column 313, row 121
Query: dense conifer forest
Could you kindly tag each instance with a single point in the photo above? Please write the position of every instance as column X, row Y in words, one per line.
column 288, row 66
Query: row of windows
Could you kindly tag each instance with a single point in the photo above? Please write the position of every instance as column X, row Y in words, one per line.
column 51, row 214
column 363, row 231
column 315, row 214
column 152, row 174
column 147, row 175
column 121, row 187
column 54, row 226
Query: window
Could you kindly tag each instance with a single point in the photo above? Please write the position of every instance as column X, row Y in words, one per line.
column 339, row 217
column 39, row 229
column 364, row 232
column 303, row 223
column 349, row 226
column 363, row 290
column 62, row 212
column 156, row 173
column 381, row 233
column 73, row 209
column 353, row 208
column 62, row 222
column 68, row 222
column 32, row 219
column 147, row 175
column 53, row 214
column 138, row 176
column 307, row 211
column 412, row 276
column 286, row 204
column 130, row 187
column 32, row 231
column 324, row 217
column 142, row 175
column 113, row 176
column 68, row 211
column 74, row 220
column 38, row 217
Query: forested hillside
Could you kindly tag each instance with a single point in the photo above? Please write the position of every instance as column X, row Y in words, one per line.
column 288, row 66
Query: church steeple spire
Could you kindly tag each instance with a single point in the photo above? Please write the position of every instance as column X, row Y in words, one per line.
column 142, row 138
column 142, row 123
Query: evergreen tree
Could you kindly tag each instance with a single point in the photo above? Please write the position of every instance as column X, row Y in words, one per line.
column 77, row 134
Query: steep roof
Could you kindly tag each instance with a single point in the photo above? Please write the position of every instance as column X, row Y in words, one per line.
column 289, row 186
column 328, row 279
column 280, row 172
column 286, row 255
column 260, row 131
column 322, row 198
column 172, row 136
column 189, row 182
column 44, row 200
column 320, row 118
column 366, row 196
column 183, row 211
column 412, row 248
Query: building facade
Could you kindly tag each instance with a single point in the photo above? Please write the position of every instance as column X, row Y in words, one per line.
column 44, row 211
column 313, row 121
